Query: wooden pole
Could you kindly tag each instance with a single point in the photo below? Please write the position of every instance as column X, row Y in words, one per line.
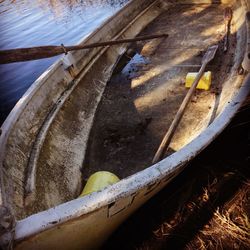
column 27, row 54
column 170, row 133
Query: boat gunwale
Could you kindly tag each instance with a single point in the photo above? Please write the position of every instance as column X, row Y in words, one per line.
column 42, row 221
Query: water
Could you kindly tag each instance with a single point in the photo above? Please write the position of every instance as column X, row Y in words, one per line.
column 27, row 23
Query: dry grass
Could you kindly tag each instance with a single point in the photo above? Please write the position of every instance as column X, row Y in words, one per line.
column 229, row 227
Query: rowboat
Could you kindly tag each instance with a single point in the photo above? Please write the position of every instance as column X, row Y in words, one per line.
column 107, row 108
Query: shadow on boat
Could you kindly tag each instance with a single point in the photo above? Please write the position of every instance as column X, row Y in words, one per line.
column 140, row 100
column 175, row 216
column 188, row 205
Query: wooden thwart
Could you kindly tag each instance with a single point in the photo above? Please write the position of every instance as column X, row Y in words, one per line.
column 34, row 53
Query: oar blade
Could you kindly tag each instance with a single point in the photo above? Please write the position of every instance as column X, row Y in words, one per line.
column 210, row 53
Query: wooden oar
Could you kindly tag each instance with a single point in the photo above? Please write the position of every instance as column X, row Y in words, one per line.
column 27, row 54
column 209, row 55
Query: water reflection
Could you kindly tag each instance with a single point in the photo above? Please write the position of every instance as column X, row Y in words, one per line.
column 27, row 23
column 60, row 9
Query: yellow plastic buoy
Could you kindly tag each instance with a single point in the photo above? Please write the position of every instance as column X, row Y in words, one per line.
column 204, row 82
column 98, row 181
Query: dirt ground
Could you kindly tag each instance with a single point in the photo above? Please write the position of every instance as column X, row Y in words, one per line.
column 206, row 207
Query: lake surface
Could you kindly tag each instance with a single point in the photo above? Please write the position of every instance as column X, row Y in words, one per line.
column 27, row 23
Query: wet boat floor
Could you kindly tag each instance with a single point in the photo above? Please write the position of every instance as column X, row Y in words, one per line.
column 147, row 88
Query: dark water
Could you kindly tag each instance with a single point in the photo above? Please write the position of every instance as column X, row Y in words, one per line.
column 27, row 23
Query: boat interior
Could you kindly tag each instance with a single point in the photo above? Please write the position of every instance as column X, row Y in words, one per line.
column 134, row 107
column 148, row 85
